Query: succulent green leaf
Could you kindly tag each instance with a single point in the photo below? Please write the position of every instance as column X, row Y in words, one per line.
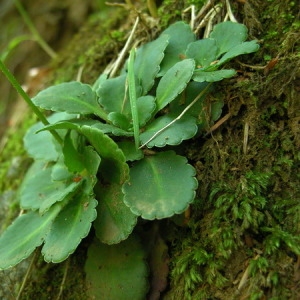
column 42, row 145
column 183, row 129
column 180, row 35
column 91, row 161
column 147, row 62
column 25, row 234
column 119, row 120
column 174, row 82
column 100, row 80
column 113, row 161
column 117, row 272
column 72, row 158
column 60, row 172
column 203, row 51
column 228, row 35
column 244, row 48
column 39, row 192
column 112, row 95
column 206, row 76
column 192, row 90
column 146, row 107
column 71, row 225
column 71, row 97
column 167, row 183
column 129, row 150
column 115, row 221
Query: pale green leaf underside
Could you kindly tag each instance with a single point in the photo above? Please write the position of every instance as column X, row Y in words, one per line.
column 167, row 183
column 25, row 234
column 70, row 226
column 71, row 97
column 174, row 82
column 115, row 221
column 117, row 272
column 183, row 129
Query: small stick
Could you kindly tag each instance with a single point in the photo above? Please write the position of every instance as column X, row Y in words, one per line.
column 246, row 136
column 179, row 117
column 26, row 276
column 229, row 12
column 218, row 124
column 124, row 50
column 61, row 288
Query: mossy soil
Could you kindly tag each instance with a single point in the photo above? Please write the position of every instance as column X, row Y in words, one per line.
column 241, row 239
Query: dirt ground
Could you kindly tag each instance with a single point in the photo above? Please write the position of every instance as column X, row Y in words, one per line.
column 241, row 239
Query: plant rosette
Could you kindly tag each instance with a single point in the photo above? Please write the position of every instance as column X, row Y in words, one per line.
column 100, row 174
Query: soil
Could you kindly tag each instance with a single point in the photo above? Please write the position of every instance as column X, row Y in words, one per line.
column 241, row 238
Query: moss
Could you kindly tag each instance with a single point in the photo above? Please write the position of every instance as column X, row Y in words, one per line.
column 246, row 221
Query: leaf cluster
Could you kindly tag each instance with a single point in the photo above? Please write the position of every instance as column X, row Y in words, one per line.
column 99, row 173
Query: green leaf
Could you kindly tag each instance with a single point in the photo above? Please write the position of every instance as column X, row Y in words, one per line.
column 39, row 192
column 192, row 90
column 71, row 97
column 91, row 161
column 180, row 35
column 42, row 145
column 100, row 80
column 112, row 95
column 147, row 62
column 228, row 35
column 60, row 172
column 244, row 48
column 117, row 272
column 183, row 129
column 113, row 161
column 129, row 150
column 115, row 221
column 174, row 82
column 203, row 51
column 72, row 158
column 167, row 183
column 70, row 226
column 25, row 234
column 119, row 120
column 146, row 107
column 206, row 76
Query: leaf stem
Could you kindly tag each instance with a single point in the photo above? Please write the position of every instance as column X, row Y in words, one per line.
column 132, row 97
column 27, row 99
